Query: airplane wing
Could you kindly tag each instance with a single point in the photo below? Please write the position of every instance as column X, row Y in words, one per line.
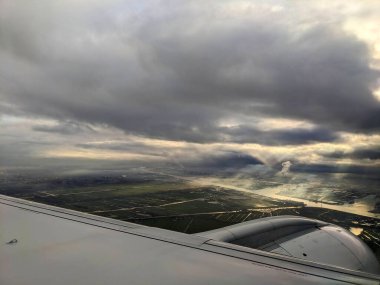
column 41, row 244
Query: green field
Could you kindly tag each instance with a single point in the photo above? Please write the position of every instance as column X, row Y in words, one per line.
column 184, row 206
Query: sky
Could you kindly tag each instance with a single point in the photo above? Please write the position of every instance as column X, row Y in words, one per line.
column 191, row 82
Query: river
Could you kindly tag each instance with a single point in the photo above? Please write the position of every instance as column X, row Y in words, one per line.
column 360, row 207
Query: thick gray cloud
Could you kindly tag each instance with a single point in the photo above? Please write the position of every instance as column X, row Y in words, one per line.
column 371, row 154
column 278, row 137
column 328, row 168
column 131, row 147
column 219, row 162
column 360, row 153
column 65, row 128
column 175, row 71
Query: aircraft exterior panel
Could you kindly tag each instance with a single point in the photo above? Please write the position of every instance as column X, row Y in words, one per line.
column 41, row 245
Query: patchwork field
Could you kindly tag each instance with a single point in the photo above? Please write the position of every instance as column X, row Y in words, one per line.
column 175, row 204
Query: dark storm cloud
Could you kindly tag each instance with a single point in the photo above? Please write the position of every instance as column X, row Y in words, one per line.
column 327, row 168
column 133, row 147
column 67, row 128
column 279, row 137
column 227, row 161
column 371, row 154
column 123, row 146
column 243, row 134
column 360, row 153
column 19, row 152
column 176, row 72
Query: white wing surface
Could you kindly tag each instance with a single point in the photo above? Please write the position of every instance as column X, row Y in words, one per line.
column 41, row 244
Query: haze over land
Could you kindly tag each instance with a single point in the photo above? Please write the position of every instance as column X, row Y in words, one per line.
column 229, row 89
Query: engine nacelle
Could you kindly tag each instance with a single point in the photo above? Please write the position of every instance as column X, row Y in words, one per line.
column 301, row 238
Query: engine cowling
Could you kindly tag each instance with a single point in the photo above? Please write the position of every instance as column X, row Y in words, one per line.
column 303, row 238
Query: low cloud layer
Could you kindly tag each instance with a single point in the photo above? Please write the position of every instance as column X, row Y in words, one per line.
column 67, row 128
column 203, row 73
column 222, row 161
column 176, row 72
column 360, row 153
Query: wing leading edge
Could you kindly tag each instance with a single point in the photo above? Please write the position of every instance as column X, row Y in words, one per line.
column 41, row 244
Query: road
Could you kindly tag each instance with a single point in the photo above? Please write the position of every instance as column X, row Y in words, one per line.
column 361, row 206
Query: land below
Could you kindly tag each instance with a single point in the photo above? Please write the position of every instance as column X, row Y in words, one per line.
column 178, row 203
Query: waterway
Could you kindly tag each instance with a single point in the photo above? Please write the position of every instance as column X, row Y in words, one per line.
column 360, row 207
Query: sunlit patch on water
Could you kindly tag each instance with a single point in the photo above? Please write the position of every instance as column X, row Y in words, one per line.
column 356, row 231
